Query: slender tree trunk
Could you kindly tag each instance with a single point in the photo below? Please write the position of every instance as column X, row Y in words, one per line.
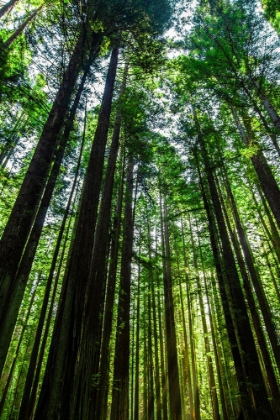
column 217, row 359
column 4, row 9
column 43, row 347
column 120, row 394
column 196, row 392
column 19, row 344
column 195, row 384
column 151, row 393
column 21, row 28
column 11, row 141
column 102, row 396
column 162, row 353
column 145, row 374
column 272, row 232
column 228, row 376
column 172, row 362
column 137, row 356
column 213, row 391
column 186, row 348
column 155, row 335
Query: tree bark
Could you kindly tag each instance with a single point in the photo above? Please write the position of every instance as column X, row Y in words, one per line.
column 186, row 351
column 27, row 403
column 102, row 396
column 120, row 394
column 266, row 357
column 56, row 394
column 4, row 9
column 172, row 362
column 21, row 28
column 259, row 404
column 10, row 311
column 263, row 171
column 25, row 208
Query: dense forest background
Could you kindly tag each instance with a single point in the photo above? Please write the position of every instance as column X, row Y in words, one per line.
column 140, row 210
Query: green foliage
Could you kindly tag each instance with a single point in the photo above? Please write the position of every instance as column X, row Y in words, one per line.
column 229, row 58
column 272, row 12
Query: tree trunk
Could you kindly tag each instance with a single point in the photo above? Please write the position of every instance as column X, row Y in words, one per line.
column 100, row 254
column 160, row 310
column 225, row 303
column 102, row 396
column 213, row 391
column 137, row 356
column 218, row 361
column 20, row 29
column 56, row 394
column 259, row 405
column 120, row 394
column 186, row 351
column 20, row 222
column 256, row 280
column 88, row 319
column 155, row 335
column 11, row 141
column 271, row 111
column 263, row 171
column 172, row 362
column 27, row 403
column 4, row 9
column 272, row 232
column 12, row 306
column 16, row 353
column 269, row 369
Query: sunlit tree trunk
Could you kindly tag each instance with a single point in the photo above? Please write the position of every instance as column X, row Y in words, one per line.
column 12, row 141
column 4, row 9
column 21, row 28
